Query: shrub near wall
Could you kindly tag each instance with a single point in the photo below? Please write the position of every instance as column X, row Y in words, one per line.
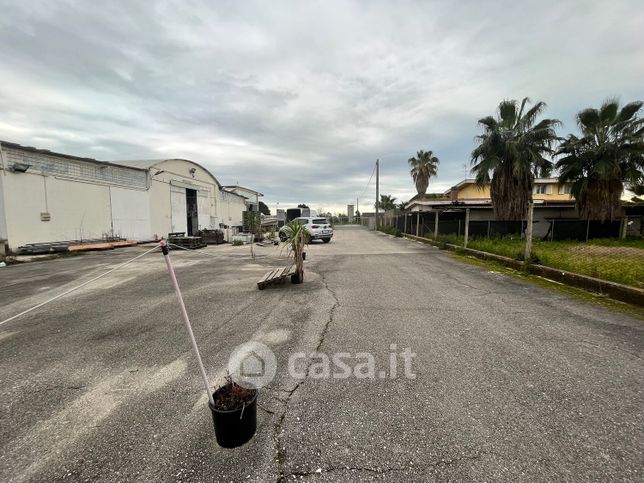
column 390, row 230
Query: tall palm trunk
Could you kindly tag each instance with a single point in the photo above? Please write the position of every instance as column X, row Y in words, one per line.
column 421, row 185
column 298, row 254
column 601, row 200
column 510, row 153
column 511, row 194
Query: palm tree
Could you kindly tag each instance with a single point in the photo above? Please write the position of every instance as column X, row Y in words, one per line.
column 608, row 155
column 387, row 202
column 511, row 153
column 295, row 237
column 423, row 167
column 402, row 205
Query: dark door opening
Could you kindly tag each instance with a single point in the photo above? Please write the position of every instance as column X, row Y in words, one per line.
column 191, row 210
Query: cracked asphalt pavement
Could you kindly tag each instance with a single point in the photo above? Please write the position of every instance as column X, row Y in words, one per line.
column 512, row 382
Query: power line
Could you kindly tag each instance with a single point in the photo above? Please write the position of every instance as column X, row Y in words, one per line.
column 368, row 182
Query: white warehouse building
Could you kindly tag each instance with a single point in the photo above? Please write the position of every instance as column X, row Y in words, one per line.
column 50, row 197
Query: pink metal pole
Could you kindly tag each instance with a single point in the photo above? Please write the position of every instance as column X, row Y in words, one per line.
column 175, row 284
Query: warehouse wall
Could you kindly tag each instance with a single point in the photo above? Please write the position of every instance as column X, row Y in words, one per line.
column 160, row 208
column 3, row 221
column 62, row 198
column 169, row 186
column 179, row 212
column 130, row 213
column 231, row 208
column 76, row 210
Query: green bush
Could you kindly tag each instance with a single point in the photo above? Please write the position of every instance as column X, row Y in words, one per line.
column 237, row 243
column 452, row 239
column 390, row 230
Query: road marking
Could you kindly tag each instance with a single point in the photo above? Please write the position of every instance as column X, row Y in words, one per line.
column 6, row 335
column 278, row 336
column 52, row 437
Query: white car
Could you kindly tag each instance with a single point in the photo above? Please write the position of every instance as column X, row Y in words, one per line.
column 317, row 228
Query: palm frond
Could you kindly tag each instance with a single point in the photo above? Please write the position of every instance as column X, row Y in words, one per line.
column 629, row 110
column 523, row 103
column 587, row 119
column 608, row 110
column 489, row 123
column 527, row 120
column 508, row 112
column 608, row 155
column 423, row 167
column 510, row 152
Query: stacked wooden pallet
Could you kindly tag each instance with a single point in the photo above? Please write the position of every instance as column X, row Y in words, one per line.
column 189, row 242
column 101, row 246
column 75, row 245
column 212, row 237
column 275, row 276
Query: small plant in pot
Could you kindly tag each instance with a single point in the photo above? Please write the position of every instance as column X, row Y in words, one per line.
column 296, row 238
column 233, row 407
column 234, row 413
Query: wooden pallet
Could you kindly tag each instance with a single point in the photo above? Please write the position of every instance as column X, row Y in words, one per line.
column 101, row 246
column 212, row 237
column 189, row 242
column 275, row 276
column 64, row 246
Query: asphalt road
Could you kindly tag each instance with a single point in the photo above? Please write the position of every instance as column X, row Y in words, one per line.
column 512, row 382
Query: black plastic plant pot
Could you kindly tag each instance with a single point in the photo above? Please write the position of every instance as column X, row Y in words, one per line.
column 297, row 277
column 236, row 427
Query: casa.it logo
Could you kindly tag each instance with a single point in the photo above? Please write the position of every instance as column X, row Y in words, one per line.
column 252, row 365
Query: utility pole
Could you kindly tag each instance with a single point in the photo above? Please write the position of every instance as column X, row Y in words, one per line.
column 467, row 227
column 528, row 236
column 624, row 228
column 377, row 190
column 358, row 212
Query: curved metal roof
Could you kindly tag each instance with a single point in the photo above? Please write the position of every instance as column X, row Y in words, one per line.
column 153, row 163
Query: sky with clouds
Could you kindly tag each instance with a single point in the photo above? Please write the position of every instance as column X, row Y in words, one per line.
column 298, row 99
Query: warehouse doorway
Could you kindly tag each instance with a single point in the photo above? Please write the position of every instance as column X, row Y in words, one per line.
column 192, row 212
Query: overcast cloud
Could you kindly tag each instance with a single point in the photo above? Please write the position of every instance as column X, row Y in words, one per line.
column 298, row 99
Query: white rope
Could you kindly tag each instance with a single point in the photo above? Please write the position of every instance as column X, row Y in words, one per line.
column 200, row 252
column 77, row 287
column 183, row 248
column 194, row 250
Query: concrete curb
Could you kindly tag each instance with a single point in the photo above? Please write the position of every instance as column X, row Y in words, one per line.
column 618, row 291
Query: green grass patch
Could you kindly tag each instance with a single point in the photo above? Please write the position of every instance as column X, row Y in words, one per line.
column 453, row 239
column 390, row 230
column 590, row 297
column 620, row 261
